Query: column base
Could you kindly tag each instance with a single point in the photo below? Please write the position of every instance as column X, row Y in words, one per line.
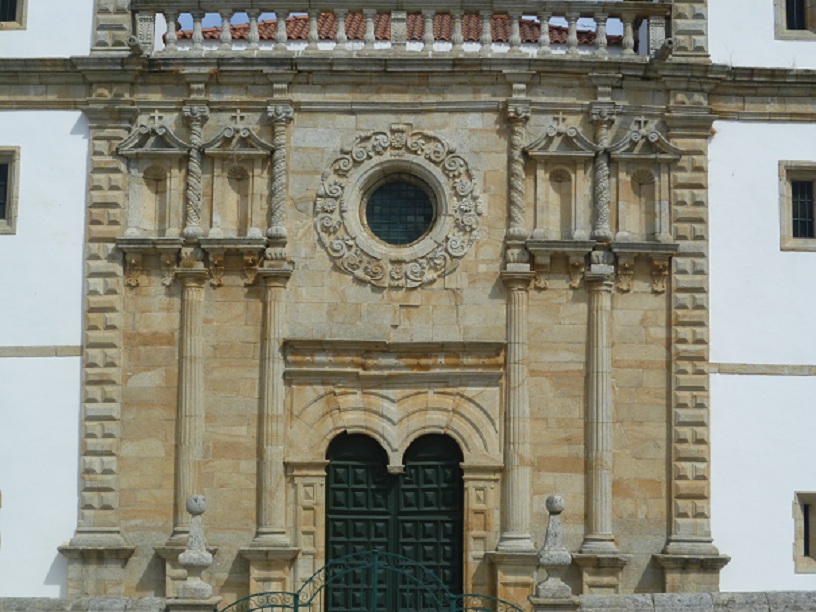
column 174, row 573
column 543, row 604
column 193, row 605
column 515, row 574
column 691, row 573
column 270, row 567
column 600, row 574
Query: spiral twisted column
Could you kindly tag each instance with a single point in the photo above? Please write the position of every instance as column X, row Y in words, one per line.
column 517, row 475
column 602, row 117
column 281, row 115
column 196, row 116
column 518, row 113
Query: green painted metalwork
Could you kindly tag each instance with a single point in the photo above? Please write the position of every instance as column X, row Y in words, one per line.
column 368, row 569
column 416, row 514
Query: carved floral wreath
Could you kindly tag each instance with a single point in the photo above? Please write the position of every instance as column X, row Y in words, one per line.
column 339, row 198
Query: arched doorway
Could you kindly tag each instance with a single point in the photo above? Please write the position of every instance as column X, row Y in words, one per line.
column 417, row 514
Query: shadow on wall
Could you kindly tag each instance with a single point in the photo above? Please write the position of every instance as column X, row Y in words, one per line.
column 58, row 574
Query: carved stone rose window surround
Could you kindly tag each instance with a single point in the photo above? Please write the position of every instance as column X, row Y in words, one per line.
column 350, row 178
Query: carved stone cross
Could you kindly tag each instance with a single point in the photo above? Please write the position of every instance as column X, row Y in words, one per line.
column 156, row 117
column 238, row 117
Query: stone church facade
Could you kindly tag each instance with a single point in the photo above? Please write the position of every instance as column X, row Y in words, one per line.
column 333, row 374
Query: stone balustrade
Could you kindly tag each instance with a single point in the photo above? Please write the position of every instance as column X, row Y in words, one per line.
column 625, row 30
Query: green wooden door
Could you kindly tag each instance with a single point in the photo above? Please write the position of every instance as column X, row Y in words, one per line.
column 417, row 514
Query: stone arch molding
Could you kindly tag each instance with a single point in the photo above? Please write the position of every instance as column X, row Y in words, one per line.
column 350, row 245
column 395, row 420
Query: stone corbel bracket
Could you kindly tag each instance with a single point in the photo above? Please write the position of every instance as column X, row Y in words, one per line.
column 250, row 249
column 136, row 248
column 576, row 252
column 658, row 253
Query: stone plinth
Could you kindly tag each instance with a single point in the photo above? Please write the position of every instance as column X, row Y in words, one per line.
column 692, row 573
column 601, row 574
column 269, row 567
column 96, row 570
column 515, row 574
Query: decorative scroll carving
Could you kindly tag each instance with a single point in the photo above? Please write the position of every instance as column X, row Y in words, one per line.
column 196, row 116
column 216, row 261
column 577, row 267
column 168, row 266
column 133, row 267
column 251, row 262
column 625, row 273
column 281, row 115
column 660, row 274
column 459, row 211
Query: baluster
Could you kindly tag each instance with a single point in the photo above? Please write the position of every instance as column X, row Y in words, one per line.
column 457, row 38
column 171, row 38
column 280, row 34
column 313, row 37
column 254, row 35
column 428, row 29
column 628, row 34
column 600, row 36
column 368, row 38
column 515, row 32
column 342, row 37
column 572, row 35
column 544, row 36
column 226, row 30
column 486, row 39
column 198, row 36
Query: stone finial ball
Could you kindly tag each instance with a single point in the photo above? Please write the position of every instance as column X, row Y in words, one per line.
column 196, row 505
column 555, row 504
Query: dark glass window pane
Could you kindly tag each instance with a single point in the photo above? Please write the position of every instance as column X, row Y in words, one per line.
column 802, row 213
column 796, row 15
column 8, row 10
column 399, row 213
column 4, row 171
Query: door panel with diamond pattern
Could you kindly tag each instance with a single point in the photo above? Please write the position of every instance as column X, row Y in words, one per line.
column 417, row 514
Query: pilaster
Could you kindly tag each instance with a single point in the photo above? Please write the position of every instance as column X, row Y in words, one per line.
column 281, row 114
column 690, row 550
column 97, row 554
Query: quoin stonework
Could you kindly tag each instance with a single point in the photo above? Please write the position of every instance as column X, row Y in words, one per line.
column 475, row 283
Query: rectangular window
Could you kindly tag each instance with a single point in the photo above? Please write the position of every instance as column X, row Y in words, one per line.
column 9, row 168
column 795, row 19
column 797, row 206
column 795, row 15
column 804, row 544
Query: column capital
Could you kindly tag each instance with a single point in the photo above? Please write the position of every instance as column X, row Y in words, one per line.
column 281, row 112
column 517, row 280
column 275, row 277
column 196, row 113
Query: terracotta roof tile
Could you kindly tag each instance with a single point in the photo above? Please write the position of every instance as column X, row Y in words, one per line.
column 297, row 28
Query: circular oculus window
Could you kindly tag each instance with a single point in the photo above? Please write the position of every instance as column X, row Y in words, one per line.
column 400, row 211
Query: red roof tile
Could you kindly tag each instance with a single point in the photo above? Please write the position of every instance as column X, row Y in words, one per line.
column 297, row 28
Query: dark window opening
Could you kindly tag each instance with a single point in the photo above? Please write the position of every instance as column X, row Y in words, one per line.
column 4, row 172
column 796, row 15
column 8, row 10
column 806, row 534
column 399, row 212
column 802, row 213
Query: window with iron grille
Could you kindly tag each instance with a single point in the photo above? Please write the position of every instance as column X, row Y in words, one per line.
column 797, row 205
column 400, row 211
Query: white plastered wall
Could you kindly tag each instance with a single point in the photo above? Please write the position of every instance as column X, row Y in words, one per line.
column 54, row 28
column 762, row 304
column 42, row 311
column 741, row 33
